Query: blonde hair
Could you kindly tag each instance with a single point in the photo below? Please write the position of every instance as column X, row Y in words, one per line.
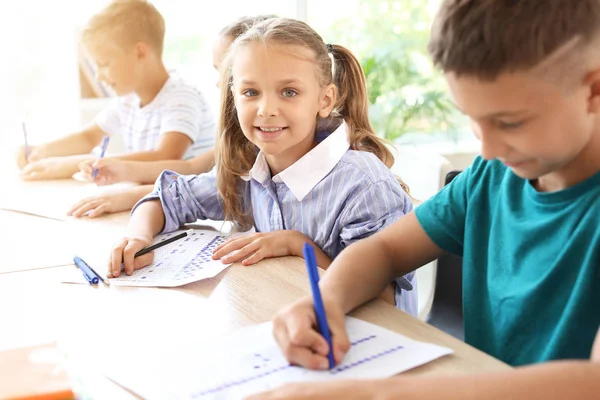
column 126, row 22
column 235, row 154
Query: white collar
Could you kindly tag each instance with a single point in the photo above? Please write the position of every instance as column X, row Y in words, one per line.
column 302, row 176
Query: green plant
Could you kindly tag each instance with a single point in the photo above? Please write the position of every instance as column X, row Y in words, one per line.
column 406, row 93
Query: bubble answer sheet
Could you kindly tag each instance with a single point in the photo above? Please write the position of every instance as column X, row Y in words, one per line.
column 180, row 262
column 249, row 361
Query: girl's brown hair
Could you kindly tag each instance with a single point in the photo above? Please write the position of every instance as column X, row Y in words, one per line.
column 235, row 155
column 242, row 24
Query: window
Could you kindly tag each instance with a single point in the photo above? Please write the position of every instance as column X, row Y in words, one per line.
column 409, row 100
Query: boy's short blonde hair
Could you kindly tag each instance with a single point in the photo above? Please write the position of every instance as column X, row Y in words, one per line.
column 126, row 22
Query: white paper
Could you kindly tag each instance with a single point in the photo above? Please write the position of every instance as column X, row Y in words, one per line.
column 249, row 361
column 181, row 262
column 53, row 198
column 36, row 206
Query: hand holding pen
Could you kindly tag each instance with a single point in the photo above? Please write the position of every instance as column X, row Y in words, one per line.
column 103, row 148
column 133, row 253
column 307, row 335
column 26, row 153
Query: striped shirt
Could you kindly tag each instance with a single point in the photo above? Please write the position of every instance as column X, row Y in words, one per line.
column 333, row 195
column 178, row 107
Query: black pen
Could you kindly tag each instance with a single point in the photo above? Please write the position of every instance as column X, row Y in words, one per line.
column 160, row 244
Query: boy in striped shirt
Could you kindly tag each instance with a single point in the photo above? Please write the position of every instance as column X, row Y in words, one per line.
column 161, row 117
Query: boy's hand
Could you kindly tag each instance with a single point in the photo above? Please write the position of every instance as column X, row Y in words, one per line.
column 254, row 247
column 123, row 252
column 109, row 171
column 35, row 154
column 301, row 344
column 357, row 389
column 106, row 203
column 49, row 168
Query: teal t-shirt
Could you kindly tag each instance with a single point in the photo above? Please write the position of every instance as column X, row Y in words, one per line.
column 531, row 261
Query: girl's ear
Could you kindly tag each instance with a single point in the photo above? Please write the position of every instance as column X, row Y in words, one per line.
column 327, row 100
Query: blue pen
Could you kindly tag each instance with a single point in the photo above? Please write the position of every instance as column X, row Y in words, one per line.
column 86, row 271
column 103, row 147
column 27, row 150
column 313, row 277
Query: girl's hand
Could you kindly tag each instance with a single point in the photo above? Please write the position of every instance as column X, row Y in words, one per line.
column 254, row 247
column 109, row 171
column 106, row 203
column 122, row 256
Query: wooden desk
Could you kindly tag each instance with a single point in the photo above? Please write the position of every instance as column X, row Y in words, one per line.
column 36, row 242
column 36, row 308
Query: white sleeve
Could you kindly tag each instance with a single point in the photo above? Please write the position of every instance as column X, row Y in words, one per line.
column 188, row 113
column 109, row 119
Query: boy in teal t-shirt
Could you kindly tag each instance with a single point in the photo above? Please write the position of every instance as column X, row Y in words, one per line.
column 525, row 216
column 531, row 261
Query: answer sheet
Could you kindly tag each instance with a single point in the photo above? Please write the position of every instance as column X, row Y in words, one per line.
column 180, row 262
column 249, row 361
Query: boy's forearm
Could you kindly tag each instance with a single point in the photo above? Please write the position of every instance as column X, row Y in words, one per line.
column 147, row 220
column 148, row 172
column 77, row 143
column 70, row 164
column 557, row 380
column 296, row 248
column 201, row 163
column 152, row 155
column 138, row 192
column 360, row 273
column 363, row 270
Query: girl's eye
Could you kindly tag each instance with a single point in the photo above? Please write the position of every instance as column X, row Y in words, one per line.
column 250, row 92
column 289, row 93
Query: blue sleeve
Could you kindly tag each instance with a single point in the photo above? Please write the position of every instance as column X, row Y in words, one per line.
column 186, row 198
column 443, row 216
column 375, row 208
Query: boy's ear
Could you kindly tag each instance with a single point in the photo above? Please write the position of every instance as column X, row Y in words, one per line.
column 593, row 81
column 327, row 100
column 141, row 50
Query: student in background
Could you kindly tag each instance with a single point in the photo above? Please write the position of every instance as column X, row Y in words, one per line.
column 161, row 117
column 524, row 215
column 296, row 158
column 112, row 170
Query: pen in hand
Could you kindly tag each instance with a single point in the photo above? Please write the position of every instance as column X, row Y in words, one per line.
column 27, row 149
column 313, row 276
column 158, row 245
column 103, row 147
